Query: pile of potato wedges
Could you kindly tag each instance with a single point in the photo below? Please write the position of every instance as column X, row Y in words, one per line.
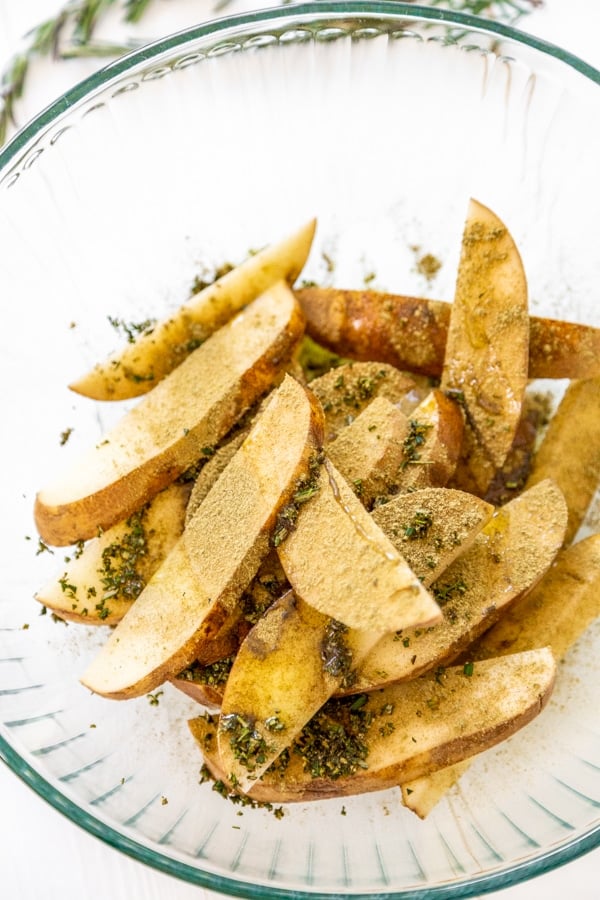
column 341, row 520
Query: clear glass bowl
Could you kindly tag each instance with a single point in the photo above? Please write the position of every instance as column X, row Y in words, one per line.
column 381, row 119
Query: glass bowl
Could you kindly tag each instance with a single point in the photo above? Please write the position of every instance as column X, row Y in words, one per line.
column 380, row 119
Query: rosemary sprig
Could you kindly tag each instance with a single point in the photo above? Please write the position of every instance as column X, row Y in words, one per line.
column 80, row 17
column 67, row 35
column 507, row 10
column 135, row 9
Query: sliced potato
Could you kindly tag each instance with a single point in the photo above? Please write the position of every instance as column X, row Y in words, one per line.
column 554, row 614
column 511, row 553
column 432, row 445
column 382, row 452
column 211, row 470
column 421, row 795
column 410, row 333
column 168, row 430
column 511, row 478
column 192, row 594
column 431, row 527
column 559, row 349
column 341, row 563
column 295, row 658
column 222, row 454
column 370, row 451
column 277, row 698
column 104, row 577
column 486, row 360
column 346, row 390
column 570, row 450
column 405, row 332
column 400, row 733
column 138, row 367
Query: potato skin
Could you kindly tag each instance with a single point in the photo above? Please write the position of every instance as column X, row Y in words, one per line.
column 411, row 332
column 405, row 332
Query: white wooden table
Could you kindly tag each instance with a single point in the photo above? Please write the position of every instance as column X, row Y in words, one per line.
column 42, row 854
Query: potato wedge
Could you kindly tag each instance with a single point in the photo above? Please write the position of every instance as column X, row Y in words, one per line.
column 292, row 661
column 421, row 795
column 199, row 584
column 431, row 527
column 511, row 553
column 400, row 733
column 410, row 333
column 559, row 349
column 570, row 450
column 511, row 478
column 263, row 689
column 432, row 445
column 554, row 614
column 104, row 577
column 405, row 332
column 403, row 454
column 138, row 367
column 167, row 430
column 218, row 461
column 345, row 391
column 296, row 658
column 486, row 360
column 383, row 452
column 369, row 452
column 356, row 575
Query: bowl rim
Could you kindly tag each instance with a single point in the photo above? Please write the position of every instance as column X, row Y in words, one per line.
column 476, row 885
column 388, row 8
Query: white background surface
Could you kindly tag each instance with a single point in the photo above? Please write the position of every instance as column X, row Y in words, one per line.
column 42, row 854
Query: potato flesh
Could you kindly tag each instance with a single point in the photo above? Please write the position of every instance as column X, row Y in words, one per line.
column 346, row 391
column 196, row 588
column 369, row 453
column 432, row 463
column 357, row 576
column 432, row 526
column 376, row 455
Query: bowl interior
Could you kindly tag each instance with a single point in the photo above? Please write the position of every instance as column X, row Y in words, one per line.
column 381, row 122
